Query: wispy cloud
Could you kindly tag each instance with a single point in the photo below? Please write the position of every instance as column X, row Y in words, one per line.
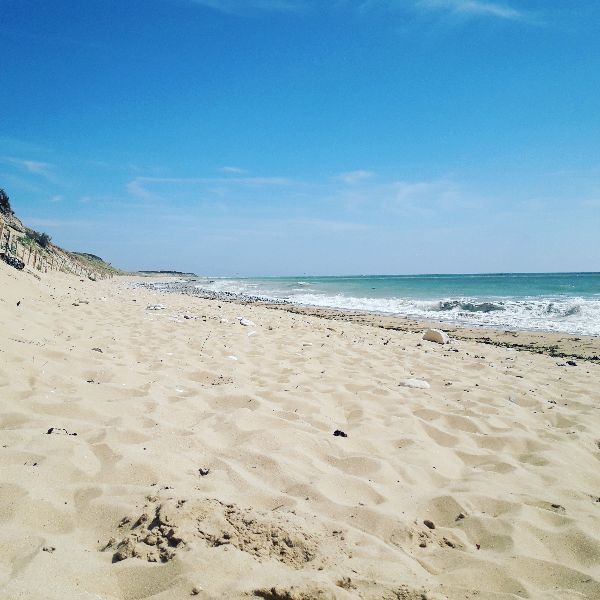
column 465, row 9
column 405, row 198
column 474, row 8
column 330, row 225
column 57, row 223
column 242, row 7
column 233, row 170
column 410, row 191
column 357, row 194
column 351, row 177
column 161, row 188
column 31, row 166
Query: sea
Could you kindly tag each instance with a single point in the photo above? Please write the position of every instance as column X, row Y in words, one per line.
column 559, row 302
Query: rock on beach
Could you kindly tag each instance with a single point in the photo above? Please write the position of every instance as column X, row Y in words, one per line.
column 420, row 384
column 437, row 336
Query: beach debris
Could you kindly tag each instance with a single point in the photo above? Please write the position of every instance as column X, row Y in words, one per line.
column 419, row 384
column 245, row 322
column 224, row 320
column 49, row 549
column 307, row 344
column 251, row 333
column 340, row 433
column 196, row 590
column 437, row 336
column 13, row 261
column 429, row 524
column 203, row 471
column 232, row 357
column 97, row 350
column 155, row 307
column 295, row 592
column 19, row 303
column 58, row 430
column 204, row 343
column 571, row 363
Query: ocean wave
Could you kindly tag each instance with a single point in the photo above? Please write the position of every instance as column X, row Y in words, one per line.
column 573, row 315
column 564, row 314
column 469, row 306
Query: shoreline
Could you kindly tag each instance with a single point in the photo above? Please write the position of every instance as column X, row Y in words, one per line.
column 554, row 344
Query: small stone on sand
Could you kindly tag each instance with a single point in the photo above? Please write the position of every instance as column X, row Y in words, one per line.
column 415, row 383
column 437, row 336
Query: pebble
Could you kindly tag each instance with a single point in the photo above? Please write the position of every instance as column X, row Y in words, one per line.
column 415, row 383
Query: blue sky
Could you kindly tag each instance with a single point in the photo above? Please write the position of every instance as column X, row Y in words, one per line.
column 266, row 137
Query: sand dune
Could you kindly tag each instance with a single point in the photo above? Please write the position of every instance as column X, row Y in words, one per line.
column 177, row 453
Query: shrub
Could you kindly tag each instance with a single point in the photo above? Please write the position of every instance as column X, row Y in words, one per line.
column 5, row 208
column 43, row 239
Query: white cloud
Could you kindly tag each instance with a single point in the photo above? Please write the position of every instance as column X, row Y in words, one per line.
column 351, row 177
column 357, row 194
column 160, row 188
column 31, row 166
column 330, row 225
column 467, row 9
column 460, row 8
column 233, row 170
column 405, row 197
column 410, row 191
column 56, row 223
column 482, row 8
column 240, row 7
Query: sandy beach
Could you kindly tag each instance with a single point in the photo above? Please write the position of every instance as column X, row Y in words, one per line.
column 166, row 446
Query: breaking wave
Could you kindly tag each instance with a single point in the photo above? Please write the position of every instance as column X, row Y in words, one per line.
column 566, row 314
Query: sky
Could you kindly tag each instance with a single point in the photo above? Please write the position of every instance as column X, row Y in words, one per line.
column 288, row 137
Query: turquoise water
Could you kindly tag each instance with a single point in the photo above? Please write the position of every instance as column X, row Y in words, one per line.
column 565, row 302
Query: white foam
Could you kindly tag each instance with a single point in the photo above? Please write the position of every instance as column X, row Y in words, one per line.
column 564, row 314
